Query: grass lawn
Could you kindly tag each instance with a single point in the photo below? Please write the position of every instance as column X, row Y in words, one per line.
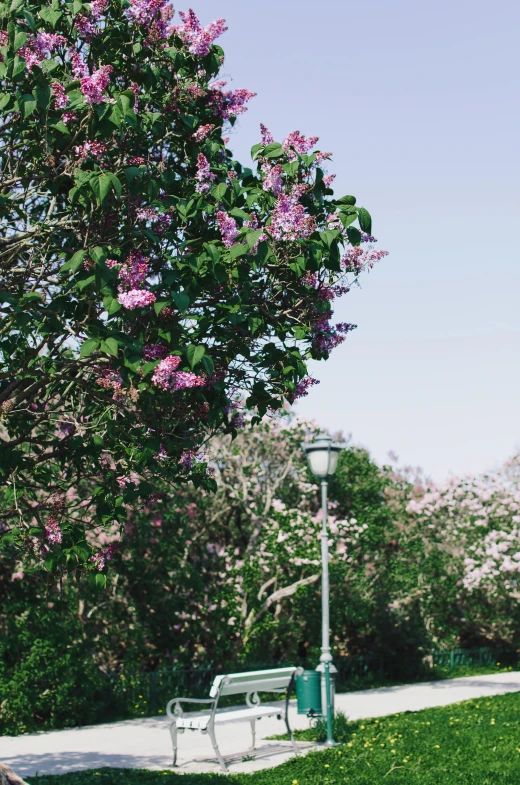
column 472, row 743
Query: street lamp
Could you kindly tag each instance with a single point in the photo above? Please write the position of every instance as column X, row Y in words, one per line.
column 322, row 455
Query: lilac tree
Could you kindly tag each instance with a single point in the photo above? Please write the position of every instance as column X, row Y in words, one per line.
column 150, row 282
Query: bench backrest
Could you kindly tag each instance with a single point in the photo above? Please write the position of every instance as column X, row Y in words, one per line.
column 252, row 681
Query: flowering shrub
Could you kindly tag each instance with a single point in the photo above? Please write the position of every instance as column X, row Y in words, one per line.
column 150, row 281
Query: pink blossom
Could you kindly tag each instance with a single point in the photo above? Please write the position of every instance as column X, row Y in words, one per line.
column 267, row 137
column 289, row 220
column 134, row 271
column 329, row 179
column 137, row 161
column 18, row 576
column 105, row 554
column 182, row 380
column 199, row 39
column 204, row 174
column 229, row 103
column 136, row 298
column 68, row 117
column 93, row 86
column 165, row 369
column 86, row 28
column 97, row 8
column 134, row 87
column 297, row 142
column 303, row 386
column 228, row 228
column 123, row 481
column 273, row 179
column 154, row 351
column 60, row 98
column 90, row 149
column 52, row 530
column 79, row 67
column 41, row 47
column 203, row 132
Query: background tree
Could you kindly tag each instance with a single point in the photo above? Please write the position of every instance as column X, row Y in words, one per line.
column 150, row 282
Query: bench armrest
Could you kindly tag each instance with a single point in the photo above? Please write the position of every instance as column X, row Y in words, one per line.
column 174, row 708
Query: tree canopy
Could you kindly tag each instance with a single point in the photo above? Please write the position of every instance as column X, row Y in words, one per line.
column 151, row 284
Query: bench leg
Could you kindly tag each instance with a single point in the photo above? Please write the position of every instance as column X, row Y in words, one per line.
column 253, row 733
column 211, row 732
column 173, row 734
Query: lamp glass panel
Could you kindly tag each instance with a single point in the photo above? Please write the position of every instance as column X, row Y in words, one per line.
column 319, row 462
column 334, row 455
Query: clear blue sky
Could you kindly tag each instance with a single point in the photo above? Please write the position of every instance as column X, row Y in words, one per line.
column 419, row 102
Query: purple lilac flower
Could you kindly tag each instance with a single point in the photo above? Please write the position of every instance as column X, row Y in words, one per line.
column 60, row 98
column 187, row 459
column 79, row 67
column 289, row 220
column 267, row 137
column 164, row 371
column 68, row 117
column 90, row 149
column 105, row 554
column 329, row 179
column 228, row 103
column 93, row 86
column 134, row 87
column 154, row 351
column 204, row 174
column 41, row 47
column 228, row 228
column 134, row 271
column 52, row 530
column 97, row 8
column 297, row 142
column 86, row 28
column 203, row 132
column 273, row 179
column 136, row 298
column 303, row 386
column 199, row 39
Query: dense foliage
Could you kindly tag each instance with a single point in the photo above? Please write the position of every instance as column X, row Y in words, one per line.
column 470, row 743
column 150, row 283
column 207, row 580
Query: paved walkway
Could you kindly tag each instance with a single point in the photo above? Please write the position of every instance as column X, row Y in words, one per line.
column 145, row 743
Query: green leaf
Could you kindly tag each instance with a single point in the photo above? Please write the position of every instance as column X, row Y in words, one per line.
column 26, row 105
column 181, row 300
column 195, row 354
column 5, row 99
column 354, row 235
column 208, row 364
column 110, row 346
column 365, row 220
column 43, row 96
column 89, row 346
column 19, row 40
column 236, row 212
column 328, row 236
column 97, row 254
column 101, row 186
column 255, row 150
column 238, row 250
column 50, row 16
column 347, row 218
column 253, row 237
column 116, row 182
column 159, row 305
column 30, row 20
column 273, row 150
column 75, row 263
column 346, row 200
column 219, row 191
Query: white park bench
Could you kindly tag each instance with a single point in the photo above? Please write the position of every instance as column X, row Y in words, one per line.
column 279, row 680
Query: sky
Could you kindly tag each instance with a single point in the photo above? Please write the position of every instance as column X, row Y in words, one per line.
column 419, row 103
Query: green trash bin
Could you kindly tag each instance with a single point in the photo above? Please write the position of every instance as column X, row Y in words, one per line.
column 308, row 693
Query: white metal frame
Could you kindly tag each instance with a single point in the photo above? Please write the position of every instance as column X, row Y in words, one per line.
column 279, row 680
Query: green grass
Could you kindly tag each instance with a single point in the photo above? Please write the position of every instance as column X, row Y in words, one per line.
column 472, row 743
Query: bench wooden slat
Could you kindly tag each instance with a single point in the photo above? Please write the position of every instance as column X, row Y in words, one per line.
column 252, row 681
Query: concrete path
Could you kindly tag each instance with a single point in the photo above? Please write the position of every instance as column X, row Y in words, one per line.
column 145, row 743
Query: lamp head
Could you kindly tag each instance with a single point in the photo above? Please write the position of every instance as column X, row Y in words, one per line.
column 322, row 455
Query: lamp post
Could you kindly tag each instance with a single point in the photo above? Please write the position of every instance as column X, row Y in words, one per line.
column 322, row 455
